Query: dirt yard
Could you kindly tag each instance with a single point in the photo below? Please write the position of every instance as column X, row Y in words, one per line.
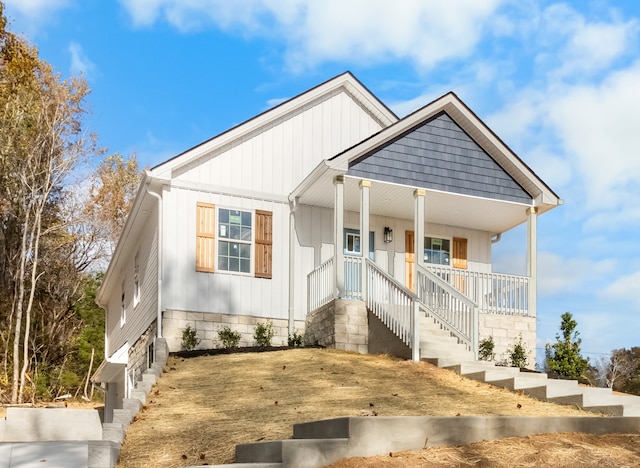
column 202, row 407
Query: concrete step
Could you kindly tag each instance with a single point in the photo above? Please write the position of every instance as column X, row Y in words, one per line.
column 616, row 410
column 588, row 396
column 122, row 416
column 444, row 360
column 553, row 388
column 520, row 381
column 301, row 453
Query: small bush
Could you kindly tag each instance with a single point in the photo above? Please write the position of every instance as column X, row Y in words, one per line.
column 295, row 339
column 485, row 350
column 229, row 338
column 518, row 354
column 263, row 334
column 190, row 338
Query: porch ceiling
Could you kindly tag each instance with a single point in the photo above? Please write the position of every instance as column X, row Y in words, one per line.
column 396, row 201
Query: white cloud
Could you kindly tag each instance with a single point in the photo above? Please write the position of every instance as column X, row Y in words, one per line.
column 80, row 63
column 360, row 31
column 625, row 288
column 598, row 126
column 557, row 274
column 35, row 10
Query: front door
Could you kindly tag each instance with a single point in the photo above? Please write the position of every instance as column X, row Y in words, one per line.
column 409, row 259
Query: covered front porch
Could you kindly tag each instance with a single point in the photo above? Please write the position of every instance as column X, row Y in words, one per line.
column 450, row 280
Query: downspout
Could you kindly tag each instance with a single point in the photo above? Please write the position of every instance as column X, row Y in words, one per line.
column 159, row 321
column 496, row 238
column 293, row 206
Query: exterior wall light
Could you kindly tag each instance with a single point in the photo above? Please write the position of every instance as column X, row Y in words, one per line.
column 388, row 235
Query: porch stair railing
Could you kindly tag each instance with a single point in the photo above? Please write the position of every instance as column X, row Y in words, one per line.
column 449, row 306
column 396, row 306
column 399, row 308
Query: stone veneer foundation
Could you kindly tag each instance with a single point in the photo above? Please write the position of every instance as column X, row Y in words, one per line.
column 208, row 324
column 139, row 359
column 505, row 330
column 340, row 324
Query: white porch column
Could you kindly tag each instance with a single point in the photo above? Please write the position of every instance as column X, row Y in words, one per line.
column 418, row 219
column 338, row 235
column 365, row 186
column 532, row 257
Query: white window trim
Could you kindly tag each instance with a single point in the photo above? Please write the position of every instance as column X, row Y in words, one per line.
column 372, row 236
column 439, row 236
column 252, row 243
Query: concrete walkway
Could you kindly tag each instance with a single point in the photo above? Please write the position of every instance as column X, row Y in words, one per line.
column 67, row 454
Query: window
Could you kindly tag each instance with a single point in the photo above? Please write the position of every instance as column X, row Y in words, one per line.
column 150, row 354
column 352, row 243
column 136, row 280
column 437, row 250
column 228, row 239
column 446, row 252
column 123, row 308
column 234, row 240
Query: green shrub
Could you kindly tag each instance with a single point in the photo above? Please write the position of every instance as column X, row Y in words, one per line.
column 263, row 334
column 190, row 338
column 518, row 354
column 295, row 339
column 229, row 338
column 485, row 350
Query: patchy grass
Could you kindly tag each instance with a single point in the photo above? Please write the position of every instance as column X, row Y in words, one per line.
column 202, row 407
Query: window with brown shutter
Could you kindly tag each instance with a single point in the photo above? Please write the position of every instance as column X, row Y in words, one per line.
column 264, row 244
column 205, row 236
column 459, row 253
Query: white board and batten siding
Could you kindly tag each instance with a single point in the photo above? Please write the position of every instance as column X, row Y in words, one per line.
column 274, row 159
column 314, row 229
column 138, row 315
column 185, row 288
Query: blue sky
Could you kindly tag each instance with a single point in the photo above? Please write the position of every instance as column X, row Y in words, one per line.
column 558, row 82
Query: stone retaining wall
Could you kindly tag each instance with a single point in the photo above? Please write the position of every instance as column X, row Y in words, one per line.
column 208, row 324
column 340, row 324
column 505, row 330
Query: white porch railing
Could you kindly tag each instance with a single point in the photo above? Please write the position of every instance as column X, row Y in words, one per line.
column 449, row 306
column 494, row 293
column 352, row 277
column 321, row 285
column 395, row 306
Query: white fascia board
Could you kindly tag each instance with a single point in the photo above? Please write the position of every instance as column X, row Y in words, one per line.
column 123, row 242
column 345, row 81
column 322, row 170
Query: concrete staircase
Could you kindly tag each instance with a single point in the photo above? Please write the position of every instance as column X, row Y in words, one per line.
column 438, row 347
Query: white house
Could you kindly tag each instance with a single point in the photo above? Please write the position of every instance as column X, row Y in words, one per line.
column 264, row 222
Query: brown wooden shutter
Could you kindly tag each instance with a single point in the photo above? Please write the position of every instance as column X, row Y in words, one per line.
column 264, row 243
column 205, row 236
column 459, row 253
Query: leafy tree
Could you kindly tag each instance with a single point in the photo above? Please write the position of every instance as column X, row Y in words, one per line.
column 113, row 189
column 41, row 143
column 563, row 357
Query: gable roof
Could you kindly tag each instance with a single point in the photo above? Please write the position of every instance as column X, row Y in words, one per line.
column 345, row 82
column 439, row 155
column 473, row 126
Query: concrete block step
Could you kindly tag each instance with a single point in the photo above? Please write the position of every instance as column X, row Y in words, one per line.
column 139, row 394
column 132, row 404
column 588, row 396
column 616, row 410
column 122, row 416
column 520, row 381
column 553, row 388
column 445, row 360
column 301, row 453
column 114, row 432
